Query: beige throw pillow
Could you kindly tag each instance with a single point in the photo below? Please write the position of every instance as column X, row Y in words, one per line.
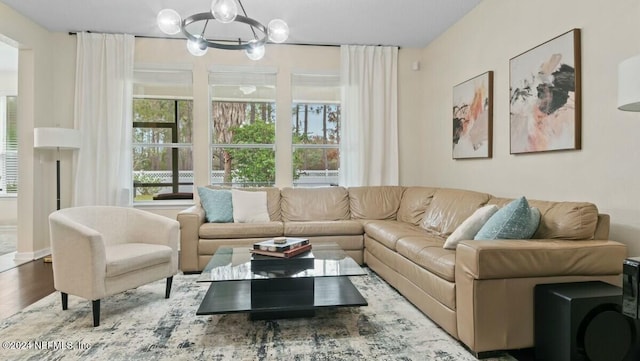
column 249, row 207
column 468, row 229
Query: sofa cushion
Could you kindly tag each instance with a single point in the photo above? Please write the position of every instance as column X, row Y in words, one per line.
column 389, row 232
column 562, row 220
column 315, row 204
column 380, row 202
column 470, row 227
column 414, row 203
column 240, row 230
column 323, row 228
column 428, row 253
column 567, row 220
column 449, row 208
column 249, row 207
column 273, row 198
column 515, row 220
column 217, row 204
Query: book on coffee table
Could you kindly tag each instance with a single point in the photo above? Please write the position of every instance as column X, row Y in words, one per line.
column 284, row 254
column 281, row 245
column 293, row 264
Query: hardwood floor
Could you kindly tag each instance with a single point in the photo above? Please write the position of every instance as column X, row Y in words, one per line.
column 24, row 285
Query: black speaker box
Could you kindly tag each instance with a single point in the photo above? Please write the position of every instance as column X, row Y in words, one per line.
column 582, row 321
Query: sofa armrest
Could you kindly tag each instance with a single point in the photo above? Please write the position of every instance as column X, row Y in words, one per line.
column 495, row 283
column 190, row 221
column 538, row 258
column 80, row 263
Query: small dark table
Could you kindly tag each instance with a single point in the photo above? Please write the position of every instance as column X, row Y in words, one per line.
column 288, row 291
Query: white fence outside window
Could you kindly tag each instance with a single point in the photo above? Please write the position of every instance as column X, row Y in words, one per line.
column 307, row 177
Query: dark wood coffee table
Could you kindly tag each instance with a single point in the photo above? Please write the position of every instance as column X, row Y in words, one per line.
column 291, row 289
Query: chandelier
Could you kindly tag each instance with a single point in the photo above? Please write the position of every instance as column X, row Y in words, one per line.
column 225, row 12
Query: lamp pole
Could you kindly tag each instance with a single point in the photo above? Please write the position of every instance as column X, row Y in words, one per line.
column 58, row 181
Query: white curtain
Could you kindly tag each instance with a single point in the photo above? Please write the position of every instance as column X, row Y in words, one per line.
column 369, row 144
column 103, row 112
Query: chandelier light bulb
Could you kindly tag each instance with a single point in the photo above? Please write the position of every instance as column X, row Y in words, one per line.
column 278, row 30
column 197, row 48
column 225, row 11
column 169, row 21
column 254, row 52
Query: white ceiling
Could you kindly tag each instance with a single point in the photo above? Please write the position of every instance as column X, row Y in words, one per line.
column 404, row 23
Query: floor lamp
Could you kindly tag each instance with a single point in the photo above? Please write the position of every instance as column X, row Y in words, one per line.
column 58, row 139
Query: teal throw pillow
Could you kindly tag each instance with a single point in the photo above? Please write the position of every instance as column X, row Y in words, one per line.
column 217, row 204
column 515, row 220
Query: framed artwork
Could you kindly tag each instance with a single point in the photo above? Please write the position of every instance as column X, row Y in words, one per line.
column 545, row 96
column 473, row 117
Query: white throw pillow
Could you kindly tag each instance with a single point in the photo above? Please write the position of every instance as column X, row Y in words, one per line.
column 470, row 226
column 249, row 207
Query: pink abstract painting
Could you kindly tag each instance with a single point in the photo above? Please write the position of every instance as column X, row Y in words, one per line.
column 545, row 96
column 472, row 117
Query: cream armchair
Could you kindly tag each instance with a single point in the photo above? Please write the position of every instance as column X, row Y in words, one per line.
column 99, row 251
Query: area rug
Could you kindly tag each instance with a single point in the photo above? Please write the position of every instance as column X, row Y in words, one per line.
column 141, row 324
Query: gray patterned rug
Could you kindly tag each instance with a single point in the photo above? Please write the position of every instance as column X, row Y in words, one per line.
column 141, row 324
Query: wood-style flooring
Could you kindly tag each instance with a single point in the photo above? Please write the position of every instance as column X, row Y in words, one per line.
column 23, row 285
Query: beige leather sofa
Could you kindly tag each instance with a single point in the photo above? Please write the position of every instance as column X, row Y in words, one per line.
column 481, row 293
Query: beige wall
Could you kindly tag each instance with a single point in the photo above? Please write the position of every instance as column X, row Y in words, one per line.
column 605, row 171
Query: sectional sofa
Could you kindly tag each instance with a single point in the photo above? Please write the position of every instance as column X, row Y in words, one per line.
column 480, row 292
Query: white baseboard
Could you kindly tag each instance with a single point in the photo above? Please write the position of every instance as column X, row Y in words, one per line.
column 29, row 256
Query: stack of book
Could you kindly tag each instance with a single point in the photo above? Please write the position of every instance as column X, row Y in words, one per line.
column 286, row 248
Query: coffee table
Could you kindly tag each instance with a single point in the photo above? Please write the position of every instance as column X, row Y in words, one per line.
column 292, row 288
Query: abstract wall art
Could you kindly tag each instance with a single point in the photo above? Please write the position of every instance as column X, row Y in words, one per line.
column 545, row 96
column 473, row 117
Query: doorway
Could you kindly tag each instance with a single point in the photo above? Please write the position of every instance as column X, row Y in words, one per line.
column 8, row 147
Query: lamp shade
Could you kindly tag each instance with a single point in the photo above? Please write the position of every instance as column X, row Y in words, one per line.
column 629, row 85
column 62, row 138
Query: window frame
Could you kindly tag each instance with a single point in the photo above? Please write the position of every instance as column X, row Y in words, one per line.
column 317, row 81
column 240, row 77
column 175, row 146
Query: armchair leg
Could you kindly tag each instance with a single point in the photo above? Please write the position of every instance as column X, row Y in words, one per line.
column 65, row 300
column 95, row 305
column 167, row 292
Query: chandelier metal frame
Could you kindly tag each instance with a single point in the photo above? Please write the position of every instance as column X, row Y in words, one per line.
column 242, row 45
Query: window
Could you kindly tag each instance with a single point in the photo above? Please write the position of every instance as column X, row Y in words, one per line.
column 162, row 135
column 243, row 128
column 9, row 150
column 315, row 129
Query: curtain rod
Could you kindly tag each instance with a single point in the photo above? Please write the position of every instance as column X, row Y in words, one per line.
column 168, row 38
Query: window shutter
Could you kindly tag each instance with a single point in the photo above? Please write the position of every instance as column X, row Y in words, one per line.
column 315, row 88
column 10, row 172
